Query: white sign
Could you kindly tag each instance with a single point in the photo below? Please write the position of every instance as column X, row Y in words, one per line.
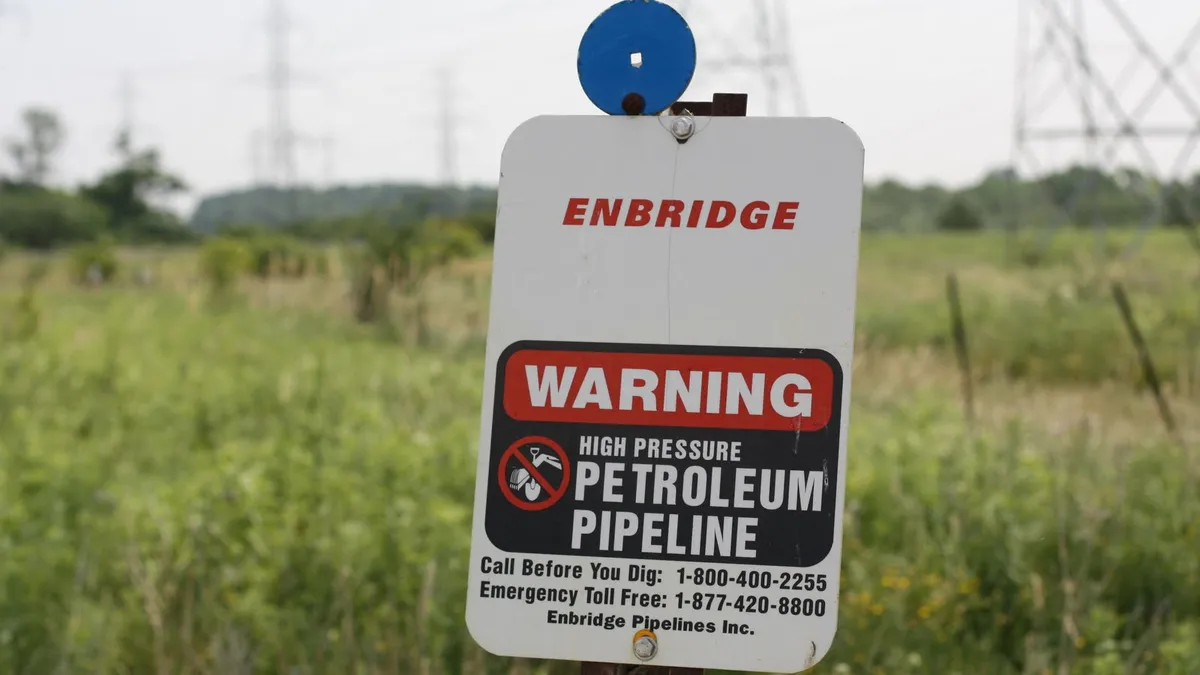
column 663, row 437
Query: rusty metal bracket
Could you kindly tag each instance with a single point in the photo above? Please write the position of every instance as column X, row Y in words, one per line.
column 722, row 105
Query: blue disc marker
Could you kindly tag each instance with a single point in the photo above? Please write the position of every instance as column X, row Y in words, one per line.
column 638, row 47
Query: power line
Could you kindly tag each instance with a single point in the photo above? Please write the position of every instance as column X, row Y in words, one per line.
column 1096, row 110
column 757, row 45
column 126, row 95
column 280, row 134
column 448, row 128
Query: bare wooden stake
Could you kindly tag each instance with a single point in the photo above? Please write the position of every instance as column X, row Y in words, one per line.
column 958, row 328
column 1143, row 352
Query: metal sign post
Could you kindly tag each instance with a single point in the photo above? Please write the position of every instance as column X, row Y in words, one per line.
column 662, row 455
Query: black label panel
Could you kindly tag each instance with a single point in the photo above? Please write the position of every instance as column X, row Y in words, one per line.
column 657, row 452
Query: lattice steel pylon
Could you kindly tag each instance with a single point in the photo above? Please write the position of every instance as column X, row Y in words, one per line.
column 1111, row 121
column 281, row 136
column 747, row 47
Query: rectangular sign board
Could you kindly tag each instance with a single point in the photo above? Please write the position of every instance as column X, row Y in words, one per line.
column 667, row 390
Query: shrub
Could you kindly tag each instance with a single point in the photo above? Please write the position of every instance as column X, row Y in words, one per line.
column 273, row 255
column 321, row 263
column 94, row 263
column 42, row 219
column 958, row 216
column 222, row 260
column 402, row 259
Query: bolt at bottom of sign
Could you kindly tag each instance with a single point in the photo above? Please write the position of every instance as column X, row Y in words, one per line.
column 645, row 645
column 683, row 127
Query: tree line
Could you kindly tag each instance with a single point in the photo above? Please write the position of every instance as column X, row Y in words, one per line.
column 120, row 204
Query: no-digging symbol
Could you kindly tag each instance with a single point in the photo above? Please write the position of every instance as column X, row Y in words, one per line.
column 534, row 473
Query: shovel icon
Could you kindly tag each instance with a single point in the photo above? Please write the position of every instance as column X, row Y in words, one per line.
column 520, row 479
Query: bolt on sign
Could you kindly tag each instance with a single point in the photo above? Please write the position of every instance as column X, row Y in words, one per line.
column 666, row 394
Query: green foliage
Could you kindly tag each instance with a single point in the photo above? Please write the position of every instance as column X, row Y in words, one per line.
column 1181, row 204
column 37, row 271
column 1054, row 322
column 94, row 263
column 986, row 556
column 24, row 319
column 408, row 254
column 891, row 205
column 1073, row 335
column 155, row 227
column 33, row 154
column 369, row 289
column 229, row 482
column 43, row 219
column 119, row 203
column 222, row 261
column 401, row 259
column 127, row 190
column 320, row 263
column 242, row 231
column 958, row 216
column 1074, row 196
column 310, row 213
column 369, row 226
column 274, row 255
column 266, row 494
column 280, row 256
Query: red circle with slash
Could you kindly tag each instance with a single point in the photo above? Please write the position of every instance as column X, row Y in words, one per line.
column 555, row 494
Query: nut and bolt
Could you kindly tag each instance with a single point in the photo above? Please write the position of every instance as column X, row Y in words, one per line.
column 683, row 127
column 645, row 645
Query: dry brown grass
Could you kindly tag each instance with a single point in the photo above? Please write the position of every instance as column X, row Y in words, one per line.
column 1111, row 412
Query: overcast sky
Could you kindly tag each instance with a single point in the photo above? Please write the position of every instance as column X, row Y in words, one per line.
column 928, row 84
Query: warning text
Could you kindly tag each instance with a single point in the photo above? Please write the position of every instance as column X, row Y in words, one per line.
column 679, row 390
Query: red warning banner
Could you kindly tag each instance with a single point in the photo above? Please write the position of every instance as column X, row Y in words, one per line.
column 669, row 390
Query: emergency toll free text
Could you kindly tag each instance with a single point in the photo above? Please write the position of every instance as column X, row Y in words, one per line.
column 602, row 593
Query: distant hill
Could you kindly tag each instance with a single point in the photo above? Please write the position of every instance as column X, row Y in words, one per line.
column 273, row 207
column 887, row 205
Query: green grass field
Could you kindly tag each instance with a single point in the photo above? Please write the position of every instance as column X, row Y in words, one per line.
column 257, row 484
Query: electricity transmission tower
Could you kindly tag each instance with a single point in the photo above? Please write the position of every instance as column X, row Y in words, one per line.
column 281, row 137
column 748, row 47
column 276, row 164
column 127, row 124
column 447, row 128
column 1094, row 84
